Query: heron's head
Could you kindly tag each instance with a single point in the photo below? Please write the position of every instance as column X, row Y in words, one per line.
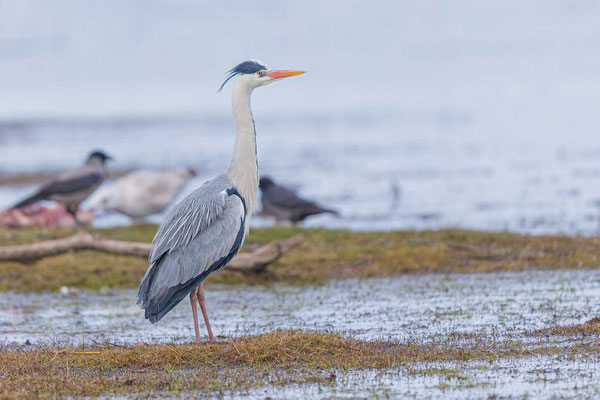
column 255, row 73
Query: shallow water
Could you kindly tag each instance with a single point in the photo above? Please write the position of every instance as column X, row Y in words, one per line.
column 538, row 377
column 384, row 180
column 409, row 307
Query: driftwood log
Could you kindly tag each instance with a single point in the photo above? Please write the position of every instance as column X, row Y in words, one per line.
column 253, row 261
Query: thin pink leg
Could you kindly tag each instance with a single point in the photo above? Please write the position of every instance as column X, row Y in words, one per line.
column 204, row 313
column 193, row 299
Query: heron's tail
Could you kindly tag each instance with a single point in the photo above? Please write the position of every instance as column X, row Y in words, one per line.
column 157, row 299
column 143, row 291
column 157, row 306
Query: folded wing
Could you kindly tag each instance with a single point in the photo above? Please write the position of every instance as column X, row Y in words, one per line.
column 199, row 236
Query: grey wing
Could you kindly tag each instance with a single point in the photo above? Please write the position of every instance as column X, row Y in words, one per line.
column 283, row 203
column 283, row 197
column 72, row 185
column 74, row 181
column 193, row 241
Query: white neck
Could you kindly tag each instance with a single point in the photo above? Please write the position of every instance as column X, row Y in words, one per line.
column 243, row 168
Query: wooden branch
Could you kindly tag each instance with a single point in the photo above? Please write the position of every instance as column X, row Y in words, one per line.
column 258, row 259
column 245, row 262
column 79, row 241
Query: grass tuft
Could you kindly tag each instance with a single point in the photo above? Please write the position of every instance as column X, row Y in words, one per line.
column 588, row 328
column 280, row 357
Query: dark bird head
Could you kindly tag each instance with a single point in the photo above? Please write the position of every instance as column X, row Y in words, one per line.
column 255, row 73
column 192, row 172
column 99, row 156
column 185, row 172
column 266, row 182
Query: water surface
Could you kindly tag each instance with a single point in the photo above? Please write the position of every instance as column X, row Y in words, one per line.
column 406, row 308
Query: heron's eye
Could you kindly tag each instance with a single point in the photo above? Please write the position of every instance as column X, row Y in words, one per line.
column 260, row 73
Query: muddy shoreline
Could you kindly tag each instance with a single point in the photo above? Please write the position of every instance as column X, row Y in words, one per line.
column 423, row 336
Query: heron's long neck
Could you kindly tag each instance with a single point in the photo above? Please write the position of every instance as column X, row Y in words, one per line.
column 243, row 169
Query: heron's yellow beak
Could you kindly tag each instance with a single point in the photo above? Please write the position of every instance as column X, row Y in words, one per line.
column 280, row 73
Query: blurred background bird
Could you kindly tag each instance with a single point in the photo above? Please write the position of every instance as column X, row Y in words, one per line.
column 72, row 187
column 142, row 193
column 285, row 205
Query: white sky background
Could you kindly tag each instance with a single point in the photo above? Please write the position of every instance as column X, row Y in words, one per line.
column 519, row 68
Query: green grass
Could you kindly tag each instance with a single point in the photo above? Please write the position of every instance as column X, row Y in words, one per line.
column 326, row 254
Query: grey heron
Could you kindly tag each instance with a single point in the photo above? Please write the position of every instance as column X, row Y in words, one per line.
column 285, row 205
column 72, row 187
column 142, row 193
column 203, row 232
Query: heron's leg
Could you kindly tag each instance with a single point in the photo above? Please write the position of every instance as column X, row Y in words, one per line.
column 204, row 313
column 193, row 299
